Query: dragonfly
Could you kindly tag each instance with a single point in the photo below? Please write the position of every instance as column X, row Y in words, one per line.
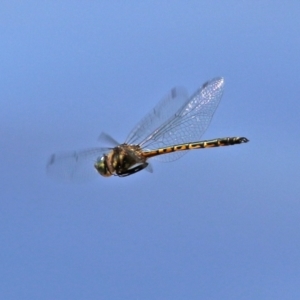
column 172, row 127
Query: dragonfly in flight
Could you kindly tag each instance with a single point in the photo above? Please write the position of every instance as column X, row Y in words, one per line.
column 174, row 125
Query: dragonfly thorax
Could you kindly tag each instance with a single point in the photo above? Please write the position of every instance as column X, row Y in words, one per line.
column 122, row 160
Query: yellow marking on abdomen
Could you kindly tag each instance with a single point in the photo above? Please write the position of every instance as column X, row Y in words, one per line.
column 196, row 145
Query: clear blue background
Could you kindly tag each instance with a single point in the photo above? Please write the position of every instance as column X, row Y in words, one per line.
column 217, row 224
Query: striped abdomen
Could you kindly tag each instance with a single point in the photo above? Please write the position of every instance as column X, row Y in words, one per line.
column 228, row 141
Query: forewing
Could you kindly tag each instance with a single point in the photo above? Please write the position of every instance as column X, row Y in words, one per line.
column 160, row 115
column 189, row 122
column 75, row 166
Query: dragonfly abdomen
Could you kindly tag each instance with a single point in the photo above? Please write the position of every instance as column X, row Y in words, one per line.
column 228, row 141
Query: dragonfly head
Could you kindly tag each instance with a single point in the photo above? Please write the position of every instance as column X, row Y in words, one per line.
column 101, row 167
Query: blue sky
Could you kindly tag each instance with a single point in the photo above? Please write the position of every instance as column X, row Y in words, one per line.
column 216, row 224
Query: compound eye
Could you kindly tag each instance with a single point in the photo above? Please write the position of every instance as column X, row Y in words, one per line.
column 101, row 167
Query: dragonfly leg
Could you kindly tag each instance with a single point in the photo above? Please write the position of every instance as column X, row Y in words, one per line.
column 133, row 170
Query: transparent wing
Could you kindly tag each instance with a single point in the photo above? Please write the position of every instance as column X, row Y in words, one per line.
column 159, row 115
column 75, row 166
column 186, row 124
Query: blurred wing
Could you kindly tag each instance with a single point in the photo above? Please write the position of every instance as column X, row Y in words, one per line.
column 186, row 124
column 75, row 166
column 106, row 139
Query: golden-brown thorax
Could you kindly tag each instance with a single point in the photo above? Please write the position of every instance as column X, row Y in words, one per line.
column 120, row 160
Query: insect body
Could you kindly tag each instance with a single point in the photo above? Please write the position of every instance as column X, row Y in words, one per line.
column 172, row 127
